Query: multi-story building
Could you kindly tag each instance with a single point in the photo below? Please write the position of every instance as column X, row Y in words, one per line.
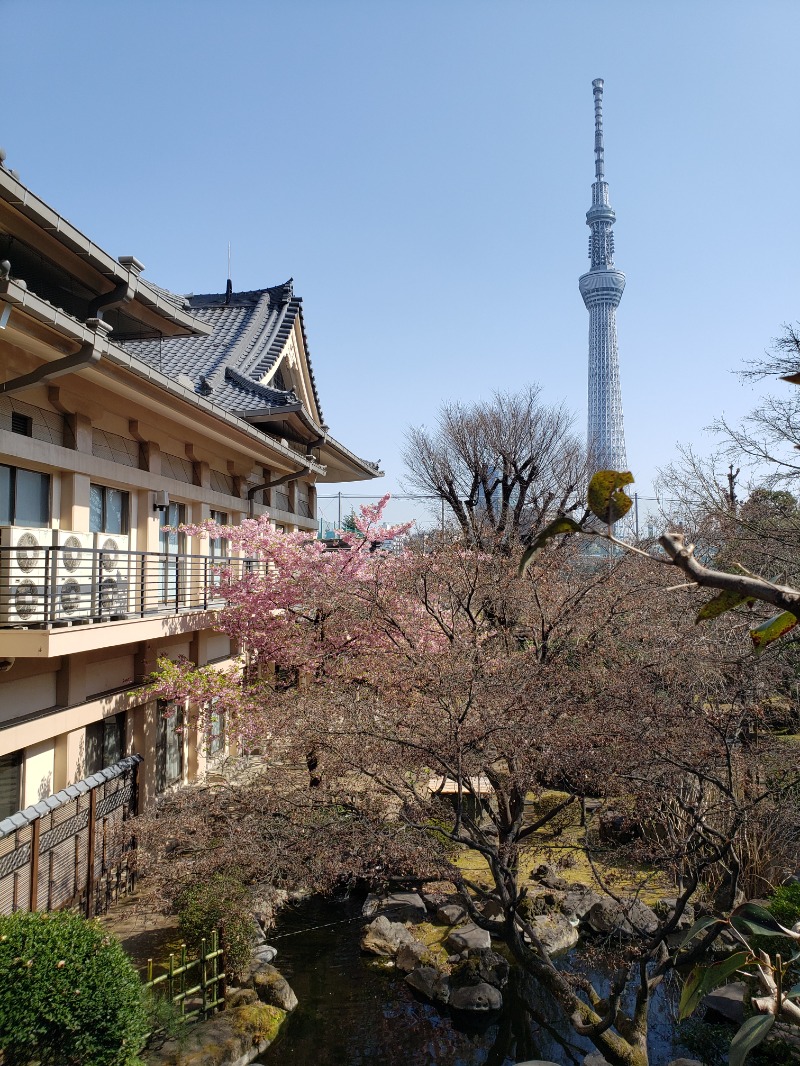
column 124, row 409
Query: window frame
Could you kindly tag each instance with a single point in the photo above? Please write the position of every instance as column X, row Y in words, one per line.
column 13, row 497
column 177, row 731
column 104, row 509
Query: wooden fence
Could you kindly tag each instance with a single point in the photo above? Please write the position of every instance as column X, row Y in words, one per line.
column 197, row 983
column 70, row 850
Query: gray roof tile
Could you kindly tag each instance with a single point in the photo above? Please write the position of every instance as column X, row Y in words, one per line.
column 250, row 332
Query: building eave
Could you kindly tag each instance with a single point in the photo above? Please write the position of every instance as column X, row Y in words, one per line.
column 24, row 302
column 110, row 271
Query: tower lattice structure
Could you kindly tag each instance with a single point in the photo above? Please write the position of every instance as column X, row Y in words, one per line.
column 601, row 288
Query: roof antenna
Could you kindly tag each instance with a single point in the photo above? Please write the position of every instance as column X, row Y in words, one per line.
column 229, row 286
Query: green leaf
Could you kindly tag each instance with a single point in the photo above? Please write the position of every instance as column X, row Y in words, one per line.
column 691, row 993
column 749, row 1036
column 606, row 499
column 772, row 629
column 558, row 525
column 699, row 927
column 750, row 918
column 726, row 601
column 704, row 979
column 793, row 993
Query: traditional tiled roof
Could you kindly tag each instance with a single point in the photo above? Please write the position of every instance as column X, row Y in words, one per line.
column 250, row 330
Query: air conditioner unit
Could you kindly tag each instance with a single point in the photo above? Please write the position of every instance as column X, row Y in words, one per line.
column 112, row 582
column 23, row 594
column 72, row 576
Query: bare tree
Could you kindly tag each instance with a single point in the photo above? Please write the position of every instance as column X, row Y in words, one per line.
column 503, row 466
column 448, row 669
column 768, row 438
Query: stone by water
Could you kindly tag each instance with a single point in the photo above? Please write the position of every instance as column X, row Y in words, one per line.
column 354, row 1011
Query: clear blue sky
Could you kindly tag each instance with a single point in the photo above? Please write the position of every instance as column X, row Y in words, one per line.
column 422, row 169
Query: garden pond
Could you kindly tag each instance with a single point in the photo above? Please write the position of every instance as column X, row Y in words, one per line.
column 354, row 1011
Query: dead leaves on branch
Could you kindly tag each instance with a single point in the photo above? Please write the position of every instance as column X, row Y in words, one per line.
column 607, row 498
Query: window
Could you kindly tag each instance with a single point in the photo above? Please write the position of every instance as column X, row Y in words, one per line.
column 173, row 543
column 105, row 743
column 108, row 510
column 218, row 547
column 10, row 781
column 24, row 497
column 216, row 730
column 169, row 746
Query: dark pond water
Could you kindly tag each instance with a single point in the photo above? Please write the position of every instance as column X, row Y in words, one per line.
column 353, row 1012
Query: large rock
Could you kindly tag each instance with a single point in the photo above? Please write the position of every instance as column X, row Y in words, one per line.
column 482, row 998
column 383, row 937
column 665, row 908
column 232, row 1036
column 555, row 931
column 265, row 952
column 468, row 938
column 450, row 914
column 630, row 920
column 546, row 874
column 273, row 988
column 578, row 900
column 686, row 1062
column 398, row 907
column 409, row 956
column 482, row 967
column 727, row 1001
column 240, row 997
column 432, row 983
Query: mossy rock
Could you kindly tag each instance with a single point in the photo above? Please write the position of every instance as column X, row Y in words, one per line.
column 261, row 1021
column 223, row 1039
column 534, row 905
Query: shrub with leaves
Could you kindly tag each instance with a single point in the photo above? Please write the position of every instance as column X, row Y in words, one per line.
column 221, row 903
column 772, row 973
column 70, row 995
column 785, row 904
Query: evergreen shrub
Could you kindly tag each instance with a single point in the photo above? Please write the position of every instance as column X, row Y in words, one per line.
column 220, row 903
column 69, row 995
column 785, row 904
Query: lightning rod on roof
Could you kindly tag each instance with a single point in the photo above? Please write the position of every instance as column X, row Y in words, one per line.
column 229, row 285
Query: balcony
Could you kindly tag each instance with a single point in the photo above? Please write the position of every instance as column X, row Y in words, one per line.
column 51, row 597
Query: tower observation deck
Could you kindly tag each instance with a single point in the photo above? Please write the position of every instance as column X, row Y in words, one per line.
column 601, row 288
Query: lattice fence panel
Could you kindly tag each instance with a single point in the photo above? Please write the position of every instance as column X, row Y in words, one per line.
column 175, row 467
column 112, row 446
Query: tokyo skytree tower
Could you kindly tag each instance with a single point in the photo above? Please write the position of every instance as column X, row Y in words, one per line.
column 601, row 289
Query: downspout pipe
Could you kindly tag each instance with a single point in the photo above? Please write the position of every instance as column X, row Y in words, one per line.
column 310, row 446
column 251, row 493
column 121, row 294
column 89, row 354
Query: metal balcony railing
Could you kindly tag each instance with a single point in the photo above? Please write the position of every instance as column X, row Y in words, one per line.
column 43, row 587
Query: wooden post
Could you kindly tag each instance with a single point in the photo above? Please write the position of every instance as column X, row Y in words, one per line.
column 90, row 855
column 33, row 900
column 215, row 966
column 204, row 976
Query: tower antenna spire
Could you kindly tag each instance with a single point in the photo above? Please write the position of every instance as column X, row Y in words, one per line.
column 601, row 289
column 599, row 162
